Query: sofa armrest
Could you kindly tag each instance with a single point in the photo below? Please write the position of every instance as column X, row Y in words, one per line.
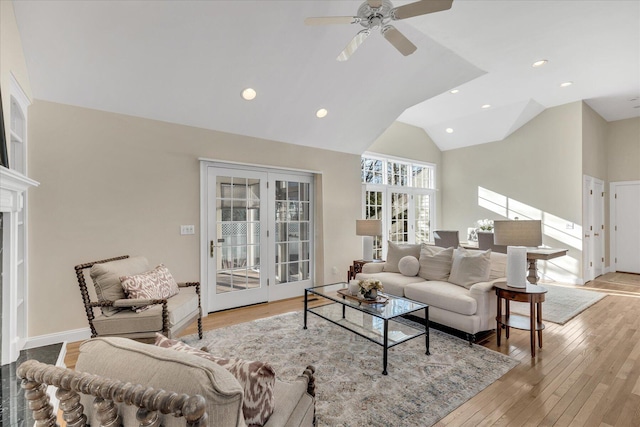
column 373, row 267
column 484, row 286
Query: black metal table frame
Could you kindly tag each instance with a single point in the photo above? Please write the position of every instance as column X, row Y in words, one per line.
column 385, row 344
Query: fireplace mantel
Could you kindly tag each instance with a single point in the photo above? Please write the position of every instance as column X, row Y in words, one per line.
column 13, row 188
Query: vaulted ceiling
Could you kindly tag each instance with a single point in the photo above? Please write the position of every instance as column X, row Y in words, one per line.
column 187, row 62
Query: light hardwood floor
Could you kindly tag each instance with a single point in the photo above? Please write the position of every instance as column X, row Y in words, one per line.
column 587, row 373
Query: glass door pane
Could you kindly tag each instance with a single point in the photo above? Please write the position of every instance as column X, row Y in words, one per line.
column 374, row 209
column 236, row 239
column 399, row 217
column 422, row 204
column 293, row 236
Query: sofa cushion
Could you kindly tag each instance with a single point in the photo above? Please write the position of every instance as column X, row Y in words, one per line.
column 138, row 363
column 256, row 378
column 106, row 279
column 393, row 283
column 155, row 284
column 435, row 263
column 470, row 267
column 395, row 252
column 444, row 295
column 128, row 321
column 498, row 265
column 409, row 265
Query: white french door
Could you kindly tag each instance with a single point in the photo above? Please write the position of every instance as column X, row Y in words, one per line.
column 259, row 235
column 593, row 227
column 236, row 238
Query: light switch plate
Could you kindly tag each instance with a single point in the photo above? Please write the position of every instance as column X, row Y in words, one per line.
column 187, row 229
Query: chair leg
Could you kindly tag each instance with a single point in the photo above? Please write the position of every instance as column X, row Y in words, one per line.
column 471, row 338
column 200, row 326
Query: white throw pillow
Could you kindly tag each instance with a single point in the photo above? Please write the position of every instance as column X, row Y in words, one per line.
column 396, row 252
column 409, row 265
column 470, row 267
column 435, row 263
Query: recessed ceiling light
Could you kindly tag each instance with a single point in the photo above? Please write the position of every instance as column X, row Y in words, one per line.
column 249, row 94
column 486, row 106
column 449, row 130
column 321, row 113
column 539, row 63
column 454, row 91
column 566, row 84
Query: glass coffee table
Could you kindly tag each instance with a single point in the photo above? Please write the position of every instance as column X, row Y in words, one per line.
column 376, row 322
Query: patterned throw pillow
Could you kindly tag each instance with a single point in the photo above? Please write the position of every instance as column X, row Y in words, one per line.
column 155, row 284
column 257, row 379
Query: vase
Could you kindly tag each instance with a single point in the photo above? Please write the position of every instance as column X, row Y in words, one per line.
column 372, row 294
column 354, row 287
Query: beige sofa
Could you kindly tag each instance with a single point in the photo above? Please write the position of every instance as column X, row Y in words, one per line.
column 470, row 309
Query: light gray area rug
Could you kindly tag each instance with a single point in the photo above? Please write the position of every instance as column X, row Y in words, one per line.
column 350, row 387
column 561, row 303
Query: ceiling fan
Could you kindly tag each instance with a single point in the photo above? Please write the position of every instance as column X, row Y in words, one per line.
column 376, row 14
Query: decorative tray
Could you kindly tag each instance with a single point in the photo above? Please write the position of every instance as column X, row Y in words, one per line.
column 381, row 299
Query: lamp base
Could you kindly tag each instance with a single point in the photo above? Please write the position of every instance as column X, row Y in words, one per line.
column 367, row 248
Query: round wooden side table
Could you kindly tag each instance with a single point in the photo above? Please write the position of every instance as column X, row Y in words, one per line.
column 534, row 295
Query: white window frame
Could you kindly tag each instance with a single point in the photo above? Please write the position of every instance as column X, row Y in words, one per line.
column 387, row 189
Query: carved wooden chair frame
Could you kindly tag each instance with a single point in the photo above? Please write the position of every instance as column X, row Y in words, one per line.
column 90, row 305
column 36, row 376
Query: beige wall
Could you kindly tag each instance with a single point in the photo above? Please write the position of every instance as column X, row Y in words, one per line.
column 113, row 184
column 411, row 142
column 623, row 150
column 539, row 165
column 12, row 60
column 594, row 144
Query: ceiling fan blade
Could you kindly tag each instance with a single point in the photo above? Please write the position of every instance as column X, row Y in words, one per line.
column 353, row 45
column 374, row 4
column 420, row 8
column 329, row 20
column 398, row 40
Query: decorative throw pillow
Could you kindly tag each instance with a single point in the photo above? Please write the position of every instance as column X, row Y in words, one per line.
column 435, row 263
column 106, row 279
column 155, row 284
column 396, row 252
column 257, row 379
column 408, row 265
column 470, row 267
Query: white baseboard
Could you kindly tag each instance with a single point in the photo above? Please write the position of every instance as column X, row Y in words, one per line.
column 59, row 337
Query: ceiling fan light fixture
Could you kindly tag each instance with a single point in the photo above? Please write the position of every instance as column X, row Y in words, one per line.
column 249, row 94
column 539, row 63
column 566, row 84
column 322, row 113
column 449, row 130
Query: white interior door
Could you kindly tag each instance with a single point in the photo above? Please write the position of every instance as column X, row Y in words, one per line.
column 598, row 227
column 237, row 240
column 625, row 205
column 587, row 227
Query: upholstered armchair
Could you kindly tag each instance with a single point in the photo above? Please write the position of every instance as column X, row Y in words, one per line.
column 485, row 241
column 153, row 301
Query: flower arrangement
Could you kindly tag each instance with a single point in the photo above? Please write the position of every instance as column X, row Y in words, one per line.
column 366, row 287
column 485, row 224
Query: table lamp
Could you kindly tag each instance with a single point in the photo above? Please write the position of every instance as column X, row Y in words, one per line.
column 517, row 236
column 368, row 228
